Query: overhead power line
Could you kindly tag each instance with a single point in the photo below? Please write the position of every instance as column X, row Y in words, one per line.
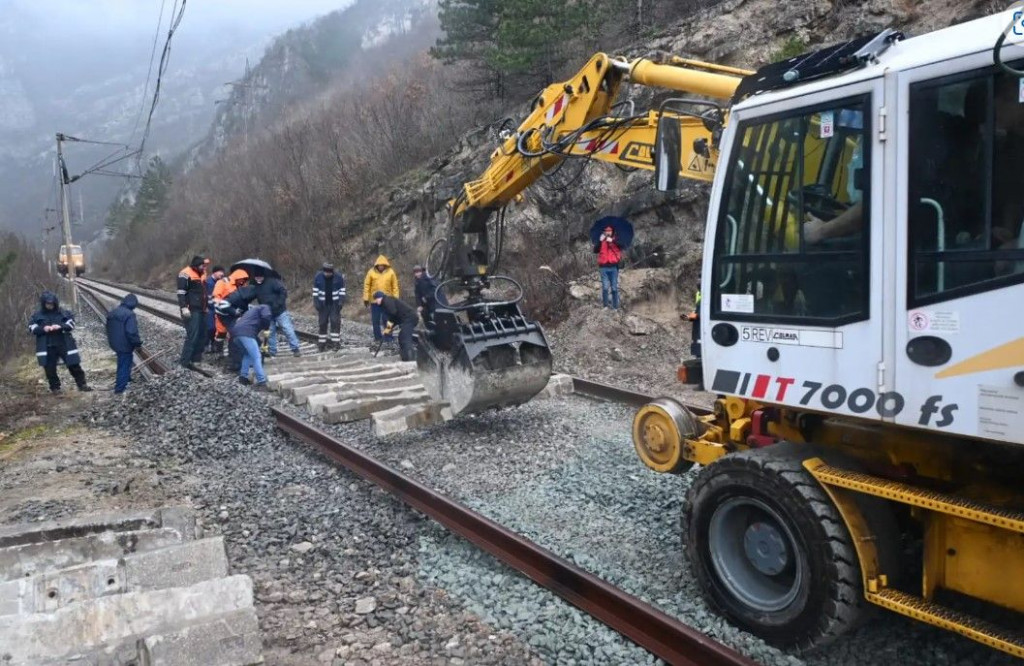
column 177, row 13
column 149, row 72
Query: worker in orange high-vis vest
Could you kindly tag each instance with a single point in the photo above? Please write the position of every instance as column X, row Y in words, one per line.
column 192, row 304
column 226, row 313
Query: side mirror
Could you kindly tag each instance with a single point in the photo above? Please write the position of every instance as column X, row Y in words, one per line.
column 668, row 146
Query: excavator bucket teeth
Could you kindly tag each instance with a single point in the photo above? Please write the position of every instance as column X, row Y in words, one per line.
column 493, row 366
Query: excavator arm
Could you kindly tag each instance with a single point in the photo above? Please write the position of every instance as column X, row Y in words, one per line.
column 481, row 351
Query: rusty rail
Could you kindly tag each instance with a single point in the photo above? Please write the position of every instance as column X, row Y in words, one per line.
column 648, row 627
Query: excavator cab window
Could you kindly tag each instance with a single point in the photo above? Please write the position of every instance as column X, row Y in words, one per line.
column 793, row 230
column 965, row 205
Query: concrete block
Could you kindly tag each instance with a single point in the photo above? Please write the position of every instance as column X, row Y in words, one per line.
column 32, row 558
column 358, row 409
column 108, row 621
column 179, row 565
column 177, row 518
column 558, row 385
column 232, row 639
column 402, row 418
column 379, row 382
column 341, row 395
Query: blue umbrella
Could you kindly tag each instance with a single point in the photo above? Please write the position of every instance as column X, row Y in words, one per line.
column 622, row 227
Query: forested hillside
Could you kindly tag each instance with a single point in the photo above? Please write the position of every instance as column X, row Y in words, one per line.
column 367, row 163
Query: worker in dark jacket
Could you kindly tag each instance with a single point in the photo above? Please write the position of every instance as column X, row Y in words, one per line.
column 192, row 305
column 245, row 331
column 52, row 327
column 271, row 291
column 328, row 297
column 123, row 338
column 426, row 300
column 213, row 345
column 398, row 313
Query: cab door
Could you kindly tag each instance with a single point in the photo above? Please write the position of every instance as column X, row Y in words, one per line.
column 796, row 282
column 959, row 325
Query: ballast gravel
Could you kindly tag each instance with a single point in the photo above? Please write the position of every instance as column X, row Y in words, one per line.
column 341, row 567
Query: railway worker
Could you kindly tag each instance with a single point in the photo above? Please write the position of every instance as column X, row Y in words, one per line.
column 328, row 297
column 123, row 338
column 215, row 276
column 426, row 299
column 609, row 254
column 231, row 298
column 379, row 278
column 192, row 304
column 245, row 331
column 52, row 327
column 271, row 291
column 398, row 313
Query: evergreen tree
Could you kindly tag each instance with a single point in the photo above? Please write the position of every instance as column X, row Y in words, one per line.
column 152, row 197
column 470, row 35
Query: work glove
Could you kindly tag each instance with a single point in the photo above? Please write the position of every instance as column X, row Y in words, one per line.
column 186, row 314
column 366, row 304
column 388, row 329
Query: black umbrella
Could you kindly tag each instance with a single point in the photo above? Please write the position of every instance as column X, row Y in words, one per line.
column 253, row 266
column 620, row 225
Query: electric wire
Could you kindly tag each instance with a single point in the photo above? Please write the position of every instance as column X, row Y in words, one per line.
column 149, row 71
column 176, row 15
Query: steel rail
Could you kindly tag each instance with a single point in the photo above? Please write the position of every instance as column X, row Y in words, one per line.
column 609, row 393
column 305, row 336
column 647, row 626
column 147, row 360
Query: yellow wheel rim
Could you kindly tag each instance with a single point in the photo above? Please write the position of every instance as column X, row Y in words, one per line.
column 658, row 435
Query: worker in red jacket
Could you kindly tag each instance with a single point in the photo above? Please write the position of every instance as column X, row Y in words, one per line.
column 609, row 254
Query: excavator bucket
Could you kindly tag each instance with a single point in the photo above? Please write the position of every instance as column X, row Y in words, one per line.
column 497, row 358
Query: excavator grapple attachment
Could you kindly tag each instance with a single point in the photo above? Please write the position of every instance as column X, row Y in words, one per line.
column 497, row 358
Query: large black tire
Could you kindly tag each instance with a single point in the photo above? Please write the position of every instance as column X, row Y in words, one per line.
column 801, row 588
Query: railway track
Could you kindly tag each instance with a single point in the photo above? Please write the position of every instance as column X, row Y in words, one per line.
column 648, row 627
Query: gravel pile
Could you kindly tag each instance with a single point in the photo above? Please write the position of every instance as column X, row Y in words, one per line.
column 334, row 560
column 564, row 473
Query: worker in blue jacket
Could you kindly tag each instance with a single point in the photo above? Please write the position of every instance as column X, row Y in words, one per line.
column 123, row 338
column 245, row 331
column 52, row 327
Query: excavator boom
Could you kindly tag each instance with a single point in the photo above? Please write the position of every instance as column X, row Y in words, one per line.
column 482, row 351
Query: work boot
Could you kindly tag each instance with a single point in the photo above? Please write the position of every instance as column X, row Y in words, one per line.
column 321, row 347
column 296, row 353
column 337, row 346
column 261, row 387
column 85, row 388
column 55, row 390
column 243, row 381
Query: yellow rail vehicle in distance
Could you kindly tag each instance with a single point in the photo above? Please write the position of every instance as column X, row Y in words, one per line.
column 77, row 259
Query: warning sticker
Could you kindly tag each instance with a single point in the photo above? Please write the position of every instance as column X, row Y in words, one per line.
column 1000, row 413
column 828, row 124
column 743, row 303
column 933, row 321
column 1020, row 93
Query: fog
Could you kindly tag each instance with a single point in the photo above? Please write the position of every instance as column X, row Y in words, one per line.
column 81, row 67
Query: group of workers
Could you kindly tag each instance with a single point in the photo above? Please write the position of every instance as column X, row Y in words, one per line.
column 218, row 308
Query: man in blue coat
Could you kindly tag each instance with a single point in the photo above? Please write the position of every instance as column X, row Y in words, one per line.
column 123, row 338
column 328, row 297
column 52, row 327
column 245, row 331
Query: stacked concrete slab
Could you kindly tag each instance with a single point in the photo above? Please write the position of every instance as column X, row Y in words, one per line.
column 354, row 386
column 128, row 588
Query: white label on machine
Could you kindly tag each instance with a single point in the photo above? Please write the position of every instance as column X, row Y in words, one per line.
column 933, row 321
column 1020, row 91
column 792, row 336
column 743, row 303
column 1000, row 413
column 828, row 124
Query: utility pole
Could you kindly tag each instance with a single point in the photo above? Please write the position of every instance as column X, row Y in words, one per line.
column 66, row 219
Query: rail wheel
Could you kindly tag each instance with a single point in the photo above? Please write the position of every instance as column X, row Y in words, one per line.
column 770, row 550
column 660, row 430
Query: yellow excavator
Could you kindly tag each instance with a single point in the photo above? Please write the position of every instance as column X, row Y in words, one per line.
column 860, row 323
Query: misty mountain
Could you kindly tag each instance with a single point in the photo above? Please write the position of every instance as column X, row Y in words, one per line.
column 89, row 81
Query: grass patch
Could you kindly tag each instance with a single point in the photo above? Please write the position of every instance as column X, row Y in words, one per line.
column 792, row 47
